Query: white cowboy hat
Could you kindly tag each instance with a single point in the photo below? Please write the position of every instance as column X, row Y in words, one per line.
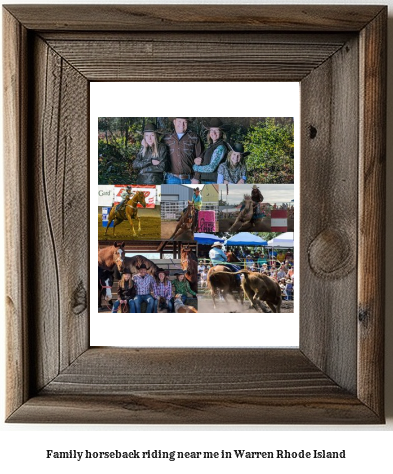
column 217, row 244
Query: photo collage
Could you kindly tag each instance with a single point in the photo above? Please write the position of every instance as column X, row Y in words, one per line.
column 196, row 215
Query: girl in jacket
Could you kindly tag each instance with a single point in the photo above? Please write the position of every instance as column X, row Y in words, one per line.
column 214, row 154
column 152, row 159
column 234, row 170
column 125, row 293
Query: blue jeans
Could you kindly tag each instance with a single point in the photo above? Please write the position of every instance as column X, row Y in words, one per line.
column 169, row 303
column 172, row 179
column 131, row 306
column 150, row 303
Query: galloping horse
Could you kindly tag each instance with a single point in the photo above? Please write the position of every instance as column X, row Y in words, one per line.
column 189, row 262
column 245, row 216
column 185, row 223
column 110, row 264
column 129, row 213
column 222, row 279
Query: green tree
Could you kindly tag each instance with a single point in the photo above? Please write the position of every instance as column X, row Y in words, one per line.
column 271, row 146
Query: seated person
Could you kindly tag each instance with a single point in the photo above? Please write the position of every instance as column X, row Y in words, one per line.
column 125, row 294
column 144, row 286
column 181, row 286
column 163, row 287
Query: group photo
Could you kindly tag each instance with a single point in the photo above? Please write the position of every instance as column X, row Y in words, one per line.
column 147, row 277
column 195, row 150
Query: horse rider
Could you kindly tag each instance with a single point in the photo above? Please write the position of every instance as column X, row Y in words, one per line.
column 218, row 257
column 125, row 197
column 197, row 200
column 256, row 198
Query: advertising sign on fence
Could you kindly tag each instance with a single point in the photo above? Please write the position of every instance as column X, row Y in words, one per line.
column 207, row 221
column 150, row 192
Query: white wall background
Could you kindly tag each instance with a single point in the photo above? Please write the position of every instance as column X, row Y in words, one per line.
column 368, row 448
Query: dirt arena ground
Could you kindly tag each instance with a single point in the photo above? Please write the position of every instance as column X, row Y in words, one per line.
column 263, row 226
column 150, row 227
column 168, row 228
column 205, row 305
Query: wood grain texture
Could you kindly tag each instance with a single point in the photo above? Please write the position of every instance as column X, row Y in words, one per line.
column 159, row 60
column 371, row 244
column 15, row 218
column 60, row 184
column 193, row 386
column 184, row 18
column 329, row 189
column 336, row 375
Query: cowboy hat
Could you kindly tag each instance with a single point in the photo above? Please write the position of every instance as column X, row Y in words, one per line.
column 239, row 148
column 150, row 127
column 217, row 244
column 178, row 273
column 126, row 271
column 215, row 123
column 183, row 118
column 142, row 266
column 161, row 270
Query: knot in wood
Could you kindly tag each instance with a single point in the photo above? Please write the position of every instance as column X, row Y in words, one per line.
column 79, row 300
column 330, row 255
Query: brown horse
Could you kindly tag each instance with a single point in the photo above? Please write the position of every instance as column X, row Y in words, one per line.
column 231, row 257
column 222, row 280
column 189, row 263
column 130, row 213
column 133, row 263
column 110, row 264
column 259, row 287
column 111, row 256
column 185, row 223
column 245, row 216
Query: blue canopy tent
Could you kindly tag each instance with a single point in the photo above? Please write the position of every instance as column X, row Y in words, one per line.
column 207, row 239
column 247, row 239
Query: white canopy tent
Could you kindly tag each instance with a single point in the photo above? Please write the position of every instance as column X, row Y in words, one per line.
column 284, row 240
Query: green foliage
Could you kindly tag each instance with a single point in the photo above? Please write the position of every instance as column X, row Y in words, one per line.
column 272, row 149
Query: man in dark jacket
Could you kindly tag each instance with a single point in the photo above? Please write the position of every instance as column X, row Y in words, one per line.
column 183, row 146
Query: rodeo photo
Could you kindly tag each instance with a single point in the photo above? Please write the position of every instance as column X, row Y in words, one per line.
column 196, row 215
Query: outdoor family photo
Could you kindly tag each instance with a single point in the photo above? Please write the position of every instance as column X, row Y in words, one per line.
column 195, row 150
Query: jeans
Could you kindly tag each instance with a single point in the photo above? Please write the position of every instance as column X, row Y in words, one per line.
column 169, row 303
column 172, row 179
column 131, row 306
column 150, row 303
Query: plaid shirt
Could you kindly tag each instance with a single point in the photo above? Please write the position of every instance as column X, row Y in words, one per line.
column 160, row 289
column 145, row 285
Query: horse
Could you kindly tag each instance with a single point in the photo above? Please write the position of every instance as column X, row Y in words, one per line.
column 189, row 262
column 129, row 213
column 186, row 223
column 245, row 216
column 259, row 287
column 133, row 263
column 221, row 278
column 110, row 265
column 105, row 283
column 231, row 257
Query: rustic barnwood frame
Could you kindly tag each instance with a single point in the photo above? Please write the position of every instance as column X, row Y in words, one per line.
column 338, row 53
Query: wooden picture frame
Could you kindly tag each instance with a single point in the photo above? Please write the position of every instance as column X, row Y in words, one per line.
column 338, row 54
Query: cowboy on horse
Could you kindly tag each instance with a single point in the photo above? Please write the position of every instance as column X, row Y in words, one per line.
column 219, row 257
column 125, row 195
